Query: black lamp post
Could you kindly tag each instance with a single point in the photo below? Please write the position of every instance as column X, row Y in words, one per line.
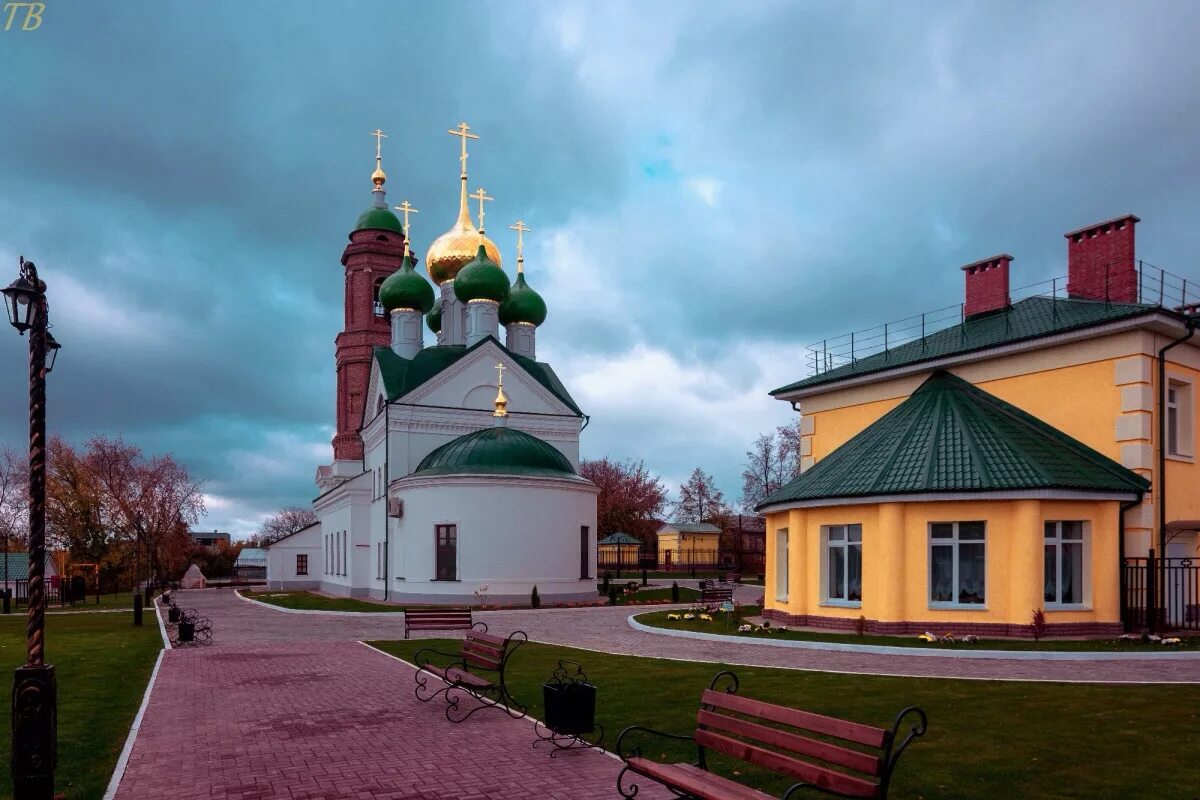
column 35, row 695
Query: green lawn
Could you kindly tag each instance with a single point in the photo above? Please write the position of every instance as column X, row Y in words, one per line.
column 987, row 739
column 102, row 663
column 727, row 624
column 311, row 601
column 107, row 601
column 686, row 595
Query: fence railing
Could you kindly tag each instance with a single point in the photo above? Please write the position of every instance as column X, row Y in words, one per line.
column 1155, row 286
column 1160, row 593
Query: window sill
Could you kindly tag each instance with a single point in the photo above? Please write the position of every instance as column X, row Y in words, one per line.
column 835, row 603
column 958, row 607
column 1187, row 459
column 444, row 580
column 783, row 599
column 1067, row 607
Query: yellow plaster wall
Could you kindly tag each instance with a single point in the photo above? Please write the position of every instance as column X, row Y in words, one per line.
column 896, row 559
column 1183, row 476
column 681, row 545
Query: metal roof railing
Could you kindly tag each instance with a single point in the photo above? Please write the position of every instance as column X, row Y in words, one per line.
column 1155, row 286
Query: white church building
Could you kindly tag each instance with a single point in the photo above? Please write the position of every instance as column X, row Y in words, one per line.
column 455, row 462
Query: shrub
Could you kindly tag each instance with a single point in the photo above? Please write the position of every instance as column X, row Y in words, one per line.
column 674, row 591
column 612, row 595
column 1038, row 627
column 534, row 600
column 604, row 586
column 860, row 625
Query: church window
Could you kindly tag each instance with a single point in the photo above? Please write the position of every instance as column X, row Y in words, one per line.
column 585, row 566
column 375, row 304
column 446, row 541
column 301, row 563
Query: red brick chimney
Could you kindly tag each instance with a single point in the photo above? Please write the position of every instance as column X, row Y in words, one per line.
column 987, row 285
column 1100, row 261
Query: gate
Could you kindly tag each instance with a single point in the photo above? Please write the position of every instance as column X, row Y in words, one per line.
column 1160, row 593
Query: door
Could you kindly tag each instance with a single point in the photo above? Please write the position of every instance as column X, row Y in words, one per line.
column 585, row 566
column 447, row 552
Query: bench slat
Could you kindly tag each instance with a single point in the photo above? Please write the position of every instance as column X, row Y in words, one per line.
column 832, row 753
column 801, row 770
column 818, row 723
column 482, row 663
column 490, row 638
column 695, row 781
column 471, row 643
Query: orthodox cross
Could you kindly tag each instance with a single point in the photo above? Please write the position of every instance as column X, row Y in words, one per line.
column 379, row 137
column 407, row 208
column 462, row 132
column 520, row 228
column 500, row 374
column 501, row 402
column 481, row 195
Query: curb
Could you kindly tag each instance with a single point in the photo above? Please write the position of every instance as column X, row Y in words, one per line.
column 1004, row 655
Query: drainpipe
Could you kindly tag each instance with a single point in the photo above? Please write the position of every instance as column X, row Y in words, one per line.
column 1162, row 448
column 387, row 498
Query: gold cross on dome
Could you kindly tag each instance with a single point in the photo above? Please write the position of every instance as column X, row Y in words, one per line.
column 462, row 132
column 407, row 208
column 501, row 402
column 379, row 137
column 481, row 195
column 500, row 373
column 520, row 228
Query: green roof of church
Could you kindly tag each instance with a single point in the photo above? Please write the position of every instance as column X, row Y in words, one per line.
column 1031, row 318
column 402, row 375
column 405, row 288
column 382, row 219
column 481, row 279
column 523, row 304
column 496, row 451
column 950, row 436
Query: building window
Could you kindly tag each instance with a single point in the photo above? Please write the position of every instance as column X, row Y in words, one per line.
column 1179, row 418
column 1064, row 564
column 301, row 563
column 781, row 565
column 843, row 564
column 446, row 539
column 585, row 566
column 957, row 564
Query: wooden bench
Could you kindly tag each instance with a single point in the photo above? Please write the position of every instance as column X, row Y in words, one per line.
column 438, row 619
column 478, row 670
column 779, row 739
column 714, row 594
column 732, row 577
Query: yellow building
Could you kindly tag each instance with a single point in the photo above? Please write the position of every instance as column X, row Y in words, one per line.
column 1011, row 462
column 687, row 544
column 619, row 550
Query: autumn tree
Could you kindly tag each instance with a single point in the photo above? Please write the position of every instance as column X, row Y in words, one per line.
column 75, row 508
column 700, row 500
column 283, row 523
column 631, row 498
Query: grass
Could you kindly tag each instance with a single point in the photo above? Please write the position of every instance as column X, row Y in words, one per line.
column 726, row 624
column 107, row 601
column 987, row 739
column 102, row 664
column 309, row 601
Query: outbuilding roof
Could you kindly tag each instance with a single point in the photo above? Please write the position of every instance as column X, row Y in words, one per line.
column 619, row 538
column 951, row 436
column 690, row 527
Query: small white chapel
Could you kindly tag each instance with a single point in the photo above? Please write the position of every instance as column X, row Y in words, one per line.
column 455, row 461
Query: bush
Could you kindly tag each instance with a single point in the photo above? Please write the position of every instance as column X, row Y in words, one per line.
column 1038, row 627
column 612, row 595
column 860, row 625
column 534, row 600
column 604, row 586
column 674, row 591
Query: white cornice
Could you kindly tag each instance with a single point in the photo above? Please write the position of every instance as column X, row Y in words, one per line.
column 474, row 479
column 947, row 497
column 1171, row 324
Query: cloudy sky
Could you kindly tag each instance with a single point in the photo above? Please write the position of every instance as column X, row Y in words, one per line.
column 712, row 186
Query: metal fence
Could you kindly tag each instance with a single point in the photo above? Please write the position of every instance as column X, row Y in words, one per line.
column 1161, row 594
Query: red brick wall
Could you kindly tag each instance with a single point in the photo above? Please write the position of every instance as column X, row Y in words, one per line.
column 987, row 285
column 1101, row 263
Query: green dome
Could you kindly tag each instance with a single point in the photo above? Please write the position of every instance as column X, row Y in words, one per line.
column 434, row 319
column 496, row 451
column 404, row 288
column 482, row 279
column 380, row 219
column 523, row 304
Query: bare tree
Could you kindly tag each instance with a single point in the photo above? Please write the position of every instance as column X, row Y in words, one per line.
column 285, row 522
column 14, row 496
column 700, row 500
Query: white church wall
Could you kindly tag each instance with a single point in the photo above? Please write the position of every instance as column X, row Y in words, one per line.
column 513, row 533
column 282, row 562
column 345, row 522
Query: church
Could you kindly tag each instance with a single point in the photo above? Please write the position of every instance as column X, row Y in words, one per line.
column 455, row 462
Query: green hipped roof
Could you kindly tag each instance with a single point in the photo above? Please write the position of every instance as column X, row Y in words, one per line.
column 950, row 436
column 382, row 219
column 402, row 375
column 619, row 538
column 1031, row 318
column 496, row 451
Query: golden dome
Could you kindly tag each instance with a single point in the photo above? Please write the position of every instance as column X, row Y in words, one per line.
column 455, row 248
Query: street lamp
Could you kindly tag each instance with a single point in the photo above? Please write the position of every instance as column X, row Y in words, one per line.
column 35, row 693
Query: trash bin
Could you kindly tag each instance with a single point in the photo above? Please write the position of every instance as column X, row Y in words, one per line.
column 173, row 614
column 187, row 631
column 570, row 701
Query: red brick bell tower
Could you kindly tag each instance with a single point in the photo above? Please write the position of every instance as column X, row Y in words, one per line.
column 375, row 251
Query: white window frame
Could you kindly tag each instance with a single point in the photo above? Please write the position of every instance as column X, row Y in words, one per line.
column 1184, row 407
column 955, row 542
column 1056, row 541
column 782, row 577
column 827, row 543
